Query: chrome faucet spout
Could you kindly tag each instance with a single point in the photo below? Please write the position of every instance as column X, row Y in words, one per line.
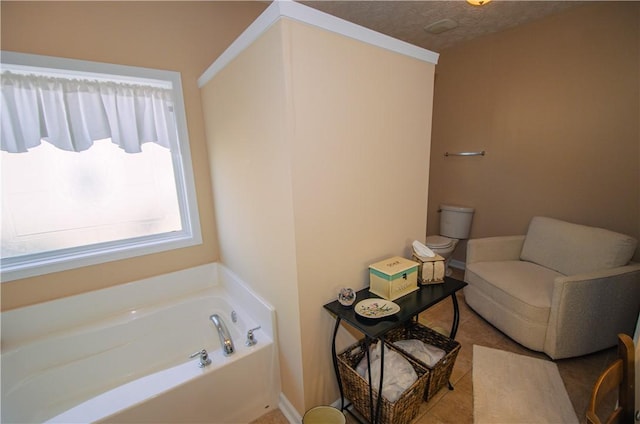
column 223, row 333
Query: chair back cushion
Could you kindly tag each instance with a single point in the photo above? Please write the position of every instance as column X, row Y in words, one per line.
column 575, row 249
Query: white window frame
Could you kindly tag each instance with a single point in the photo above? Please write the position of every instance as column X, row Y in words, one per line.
column 82, row 256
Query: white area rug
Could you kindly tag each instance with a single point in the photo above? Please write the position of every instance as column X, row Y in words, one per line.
column 510, row 389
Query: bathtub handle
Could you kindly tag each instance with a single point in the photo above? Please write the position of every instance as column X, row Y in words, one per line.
column 204, row 357
column 251, row 339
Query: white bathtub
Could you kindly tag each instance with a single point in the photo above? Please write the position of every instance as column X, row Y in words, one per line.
column 122, row 354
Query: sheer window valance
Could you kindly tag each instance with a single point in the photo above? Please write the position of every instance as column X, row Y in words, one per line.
column 73, row 113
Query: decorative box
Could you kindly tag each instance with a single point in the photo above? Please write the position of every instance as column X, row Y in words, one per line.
column 393, row 278
column 431, row 270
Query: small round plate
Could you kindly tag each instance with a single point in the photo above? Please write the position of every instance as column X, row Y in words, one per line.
column 376, row 308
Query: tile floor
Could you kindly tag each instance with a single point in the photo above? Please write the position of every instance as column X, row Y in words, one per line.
column 456, row 406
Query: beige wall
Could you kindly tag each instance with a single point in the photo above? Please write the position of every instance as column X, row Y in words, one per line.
column 244, row 109
column 360, row 175
column 319, row 149
column 555, row 104
column 177, row 36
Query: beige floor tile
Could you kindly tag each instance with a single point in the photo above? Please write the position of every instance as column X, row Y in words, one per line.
column 273, row 417
column 454, row 406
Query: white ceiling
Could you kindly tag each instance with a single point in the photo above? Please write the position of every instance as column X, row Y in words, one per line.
column 405, row 20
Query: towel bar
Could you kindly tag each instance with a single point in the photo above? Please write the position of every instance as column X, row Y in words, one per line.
column 482, row 153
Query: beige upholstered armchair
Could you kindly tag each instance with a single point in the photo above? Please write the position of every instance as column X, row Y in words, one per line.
column 562, row 289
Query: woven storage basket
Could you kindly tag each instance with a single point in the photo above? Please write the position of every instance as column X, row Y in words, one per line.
column 440, row 373
column 356, row 388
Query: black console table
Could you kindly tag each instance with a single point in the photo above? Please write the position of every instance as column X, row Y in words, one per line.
column 411, row 305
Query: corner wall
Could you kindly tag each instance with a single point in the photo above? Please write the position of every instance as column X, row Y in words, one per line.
column 555, row 103
column 362, row 127
column 319, row 149
column 249, row 155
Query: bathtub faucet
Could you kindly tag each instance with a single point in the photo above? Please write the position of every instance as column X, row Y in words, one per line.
column 223, row 333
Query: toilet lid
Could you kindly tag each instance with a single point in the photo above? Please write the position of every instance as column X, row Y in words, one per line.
column 438, row 242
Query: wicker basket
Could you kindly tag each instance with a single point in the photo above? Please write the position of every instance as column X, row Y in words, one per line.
column 440, row 373
column 356, row 388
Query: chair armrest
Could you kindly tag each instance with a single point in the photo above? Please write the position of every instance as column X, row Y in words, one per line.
column 602, row 274
column 503, row 248
column 588, row 311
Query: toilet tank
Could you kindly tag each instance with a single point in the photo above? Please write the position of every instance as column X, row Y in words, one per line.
column 455, row 221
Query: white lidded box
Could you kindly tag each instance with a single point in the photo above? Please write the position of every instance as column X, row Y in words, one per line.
column 393, row 278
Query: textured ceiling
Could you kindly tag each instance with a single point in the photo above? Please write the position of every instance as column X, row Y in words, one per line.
column 405, row 20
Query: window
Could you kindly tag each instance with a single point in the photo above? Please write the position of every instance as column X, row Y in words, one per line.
column 95, row 164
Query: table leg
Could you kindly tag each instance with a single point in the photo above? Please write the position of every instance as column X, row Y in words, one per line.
column 456, row 317
column 367, row 344
column 454, row 326
column 335, row 363
column 379, row 403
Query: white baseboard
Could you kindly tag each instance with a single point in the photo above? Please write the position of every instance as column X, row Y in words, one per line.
column 337, row 403
column 453, row 263
column 289, row 412
column 352, row 410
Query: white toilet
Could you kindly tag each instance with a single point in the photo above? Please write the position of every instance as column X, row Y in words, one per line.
column 455, row 225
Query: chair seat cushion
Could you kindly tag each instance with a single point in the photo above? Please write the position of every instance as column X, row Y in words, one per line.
column 519, row 286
